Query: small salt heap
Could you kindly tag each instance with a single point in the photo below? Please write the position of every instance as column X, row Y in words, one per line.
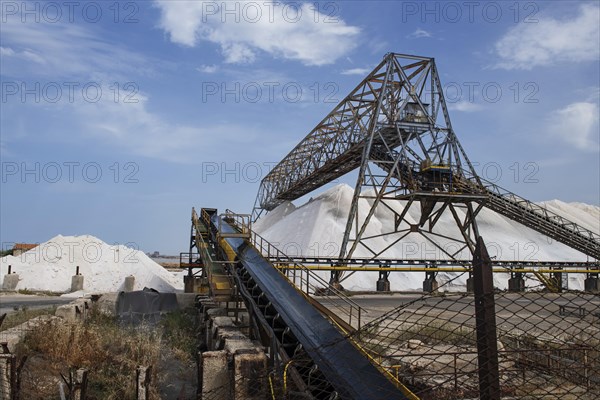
column 50, row 266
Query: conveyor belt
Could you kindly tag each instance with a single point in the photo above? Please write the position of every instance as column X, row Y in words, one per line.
column 542, row 220
column 348, row 371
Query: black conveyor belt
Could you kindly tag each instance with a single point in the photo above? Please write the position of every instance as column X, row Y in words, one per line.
column 347, row 369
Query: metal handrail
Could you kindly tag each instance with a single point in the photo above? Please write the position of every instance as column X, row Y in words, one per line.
column 537, row 209
column 300, row 276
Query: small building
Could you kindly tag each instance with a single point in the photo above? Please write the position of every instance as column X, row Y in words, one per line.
column 414, row 113
column 20, row 248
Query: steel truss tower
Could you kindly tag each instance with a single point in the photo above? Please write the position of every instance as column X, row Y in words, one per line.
column 394, row 127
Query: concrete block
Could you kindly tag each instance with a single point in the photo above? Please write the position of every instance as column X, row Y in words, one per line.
column 250, row 375
column 107, row 304
column 216, row 312
column 235, row 342
column 129, row 283
column 76, row 283
column 226, row 336
column 214, row 375
column 216, row 328
column 223, row 322
column 68, row 312
column 186, row 300
column 205, row 303
column 10, row 282
column 74, row 311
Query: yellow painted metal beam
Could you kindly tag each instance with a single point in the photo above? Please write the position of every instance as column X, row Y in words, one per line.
column 355, row 268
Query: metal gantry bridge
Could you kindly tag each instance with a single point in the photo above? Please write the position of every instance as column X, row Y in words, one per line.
column 394, row 127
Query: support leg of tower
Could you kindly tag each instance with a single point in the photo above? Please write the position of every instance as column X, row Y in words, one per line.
column 334, row 282
column 558, row 278
column 470, row 283
column 516, row 283
column 383, row 284
column 430, row 284
column 592, row 283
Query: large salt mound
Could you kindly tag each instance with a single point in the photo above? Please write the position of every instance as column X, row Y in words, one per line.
column 51, row 265
column 316, row 228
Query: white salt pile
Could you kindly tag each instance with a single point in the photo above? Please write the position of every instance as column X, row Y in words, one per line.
column 316, row 229
column 51, row 265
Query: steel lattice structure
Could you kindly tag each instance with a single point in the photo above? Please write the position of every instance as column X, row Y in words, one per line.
column 394, row 127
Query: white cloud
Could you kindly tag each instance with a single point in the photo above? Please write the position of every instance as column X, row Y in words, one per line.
column 208, row 69
column 464, row 106
column 420, row 33
column 80, row 54
column 551, row 41
column 134, row 129
column 6, row 51
column 253, row 27
column 66, row 51
column 577, row 125
column 356, row 71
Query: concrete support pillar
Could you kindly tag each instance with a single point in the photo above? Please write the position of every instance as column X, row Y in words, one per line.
column 212, row 326
column 78, row 384
column 143, row 378
column 10, row 282
column 516, row 283
column 592, row 284
column 129, row 283
column 383, row 285
column 77, row 281
column 558, row 278
column 8, row 376
column 430, row 285
column 250, row 375
column 470, row 284
column 214, row 375
column 188, row 283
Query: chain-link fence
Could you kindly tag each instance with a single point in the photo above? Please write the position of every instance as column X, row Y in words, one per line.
column 547, row 346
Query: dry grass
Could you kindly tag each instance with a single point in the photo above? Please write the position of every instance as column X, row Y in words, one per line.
column 110, row 352
column 24, row 314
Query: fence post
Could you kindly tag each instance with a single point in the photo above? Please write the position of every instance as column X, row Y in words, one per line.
column 485, row 317
column 143, row 383
column 8, row 376
column 78, row 388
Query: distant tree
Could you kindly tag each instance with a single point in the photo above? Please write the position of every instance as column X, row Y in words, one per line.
column 8, row 252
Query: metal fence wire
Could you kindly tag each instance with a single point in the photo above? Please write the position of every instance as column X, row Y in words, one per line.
column 548, row 346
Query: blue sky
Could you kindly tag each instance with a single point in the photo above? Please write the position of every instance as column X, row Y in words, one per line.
column 117, row 118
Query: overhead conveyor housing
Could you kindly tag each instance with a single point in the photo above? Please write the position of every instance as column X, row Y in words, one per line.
column 333, row 367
